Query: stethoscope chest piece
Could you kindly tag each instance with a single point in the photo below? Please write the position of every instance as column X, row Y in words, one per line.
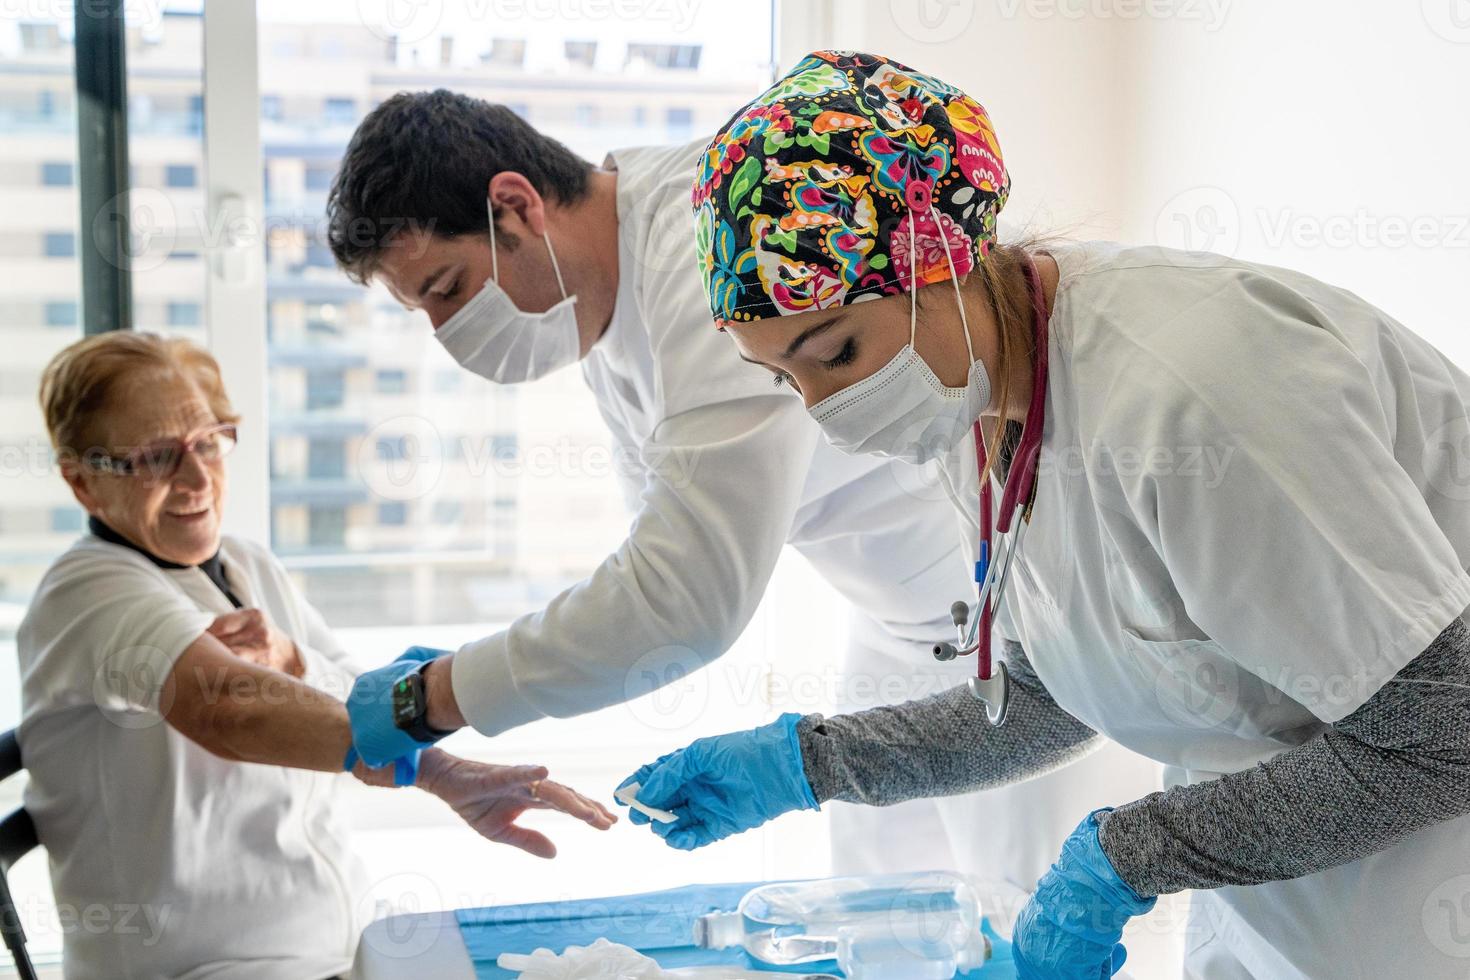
column 994, row 692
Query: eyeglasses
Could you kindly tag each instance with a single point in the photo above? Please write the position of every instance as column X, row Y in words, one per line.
column 158, row 461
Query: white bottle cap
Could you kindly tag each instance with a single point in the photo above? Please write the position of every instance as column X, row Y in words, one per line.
column 719, row 930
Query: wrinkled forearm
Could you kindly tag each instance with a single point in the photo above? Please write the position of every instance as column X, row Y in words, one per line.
column 1398, row 764
column 941, row 745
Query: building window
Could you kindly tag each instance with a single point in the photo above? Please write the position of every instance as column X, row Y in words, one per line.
column 339, row 112
column 392, row 381
column 326, row 459
column 60, row 245
column 319, row 177
column 194, row 123
column 40, row 37
column 679, row 122
column 66, row 520
column 582, row 53
column 327, row 527
column 270, row 108
column 448, row 511
column 393, row 513
column 325, row 389
column 181, row 175
column 55, row 174
column 183, row 313
column 391, row 449
column 664, row 55
column 61, row 313
column 506, row 52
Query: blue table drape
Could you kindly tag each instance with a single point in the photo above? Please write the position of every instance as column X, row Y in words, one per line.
column 657, row 924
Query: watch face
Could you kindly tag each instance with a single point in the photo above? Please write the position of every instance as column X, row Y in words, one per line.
column 407, row 700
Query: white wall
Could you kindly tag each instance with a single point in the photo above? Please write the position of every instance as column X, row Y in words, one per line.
column 1041, row 78
column 1332, row 137
column 1316, row 135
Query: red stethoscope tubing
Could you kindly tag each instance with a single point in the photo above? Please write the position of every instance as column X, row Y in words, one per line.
column 1023, row 467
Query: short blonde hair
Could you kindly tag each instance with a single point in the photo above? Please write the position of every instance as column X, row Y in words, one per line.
column 81, row 379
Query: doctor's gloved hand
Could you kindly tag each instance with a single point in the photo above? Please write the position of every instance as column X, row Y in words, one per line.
column 1070, row 930
column 376, row 738
column 725, row 785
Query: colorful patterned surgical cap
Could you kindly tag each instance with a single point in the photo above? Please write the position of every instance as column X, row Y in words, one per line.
column 819, row 192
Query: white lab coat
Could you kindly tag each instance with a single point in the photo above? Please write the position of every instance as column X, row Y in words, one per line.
column 166, row 860
column 702, row 548
column 1251, row 514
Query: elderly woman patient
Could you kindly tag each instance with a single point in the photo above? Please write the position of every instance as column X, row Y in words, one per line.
column 182, row 720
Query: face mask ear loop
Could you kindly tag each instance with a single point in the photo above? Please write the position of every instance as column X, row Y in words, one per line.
column 954, row 278
column 494, row 258
column 554, row 267
column 913, row 281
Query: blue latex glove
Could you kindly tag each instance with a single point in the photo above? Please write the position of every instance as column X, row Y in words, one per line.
column 725, row 785
column 1070, row 930
column 370, row 708
column 405, row 767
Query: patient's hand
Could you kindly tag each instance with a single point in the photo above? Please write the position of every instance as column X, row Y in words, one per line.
column 490, row 798
column 251, row 635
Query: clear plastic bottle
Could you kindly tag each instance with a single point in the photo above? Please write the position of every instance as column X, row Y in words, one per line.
column 922, row 926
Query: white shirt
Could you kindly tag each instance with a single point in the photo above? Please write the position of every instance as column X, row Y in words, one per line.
column 733, row 470
column 1251, row 514
column 189, row 865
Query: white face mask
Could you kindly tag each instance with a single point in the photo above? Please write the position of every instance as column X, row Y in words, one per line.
column 497, row 341
column 903, row 410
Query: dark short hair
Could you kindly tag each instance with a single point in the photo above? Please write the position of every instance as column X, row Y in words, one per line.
column 421, row 160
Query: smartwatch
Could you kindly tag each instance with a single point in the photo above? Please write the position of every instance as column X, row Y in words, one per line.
column 411, row 707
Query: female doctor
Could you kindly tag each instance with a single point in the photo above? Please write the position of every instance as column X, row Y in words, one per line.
column 1218, row 525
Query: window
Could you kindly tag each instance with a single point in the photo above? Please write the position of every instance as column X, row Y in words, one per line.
column 512, row 506
column 59, row 245
column 180, row 175
column 318, row 176
column 61, row 313
column 38, row 314
column 339, row 112
column 56, row 173
column 663, row 55
column 326, row 459
column 581, row 53
column 680, row 122
column 392, row 381
column 327, row 527
column 183, row 314
column 40, row 37
column 325, row 389
column 505, row 52
column 392, row 448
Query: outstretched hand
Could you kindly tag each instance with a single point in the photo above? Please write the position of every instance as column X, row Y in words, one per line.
column 491, row 798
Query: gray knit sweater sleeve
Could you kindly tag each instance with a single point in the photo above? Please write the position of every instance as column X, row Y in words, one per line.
column 941, row 745
column 1398, row 764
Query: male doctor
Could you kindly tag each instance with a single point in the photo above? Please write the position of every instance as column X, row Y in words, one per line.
column 594, row 264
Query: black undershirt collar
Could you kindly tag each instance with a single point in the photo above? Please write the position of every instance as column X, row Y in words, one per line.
column 212, row 567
